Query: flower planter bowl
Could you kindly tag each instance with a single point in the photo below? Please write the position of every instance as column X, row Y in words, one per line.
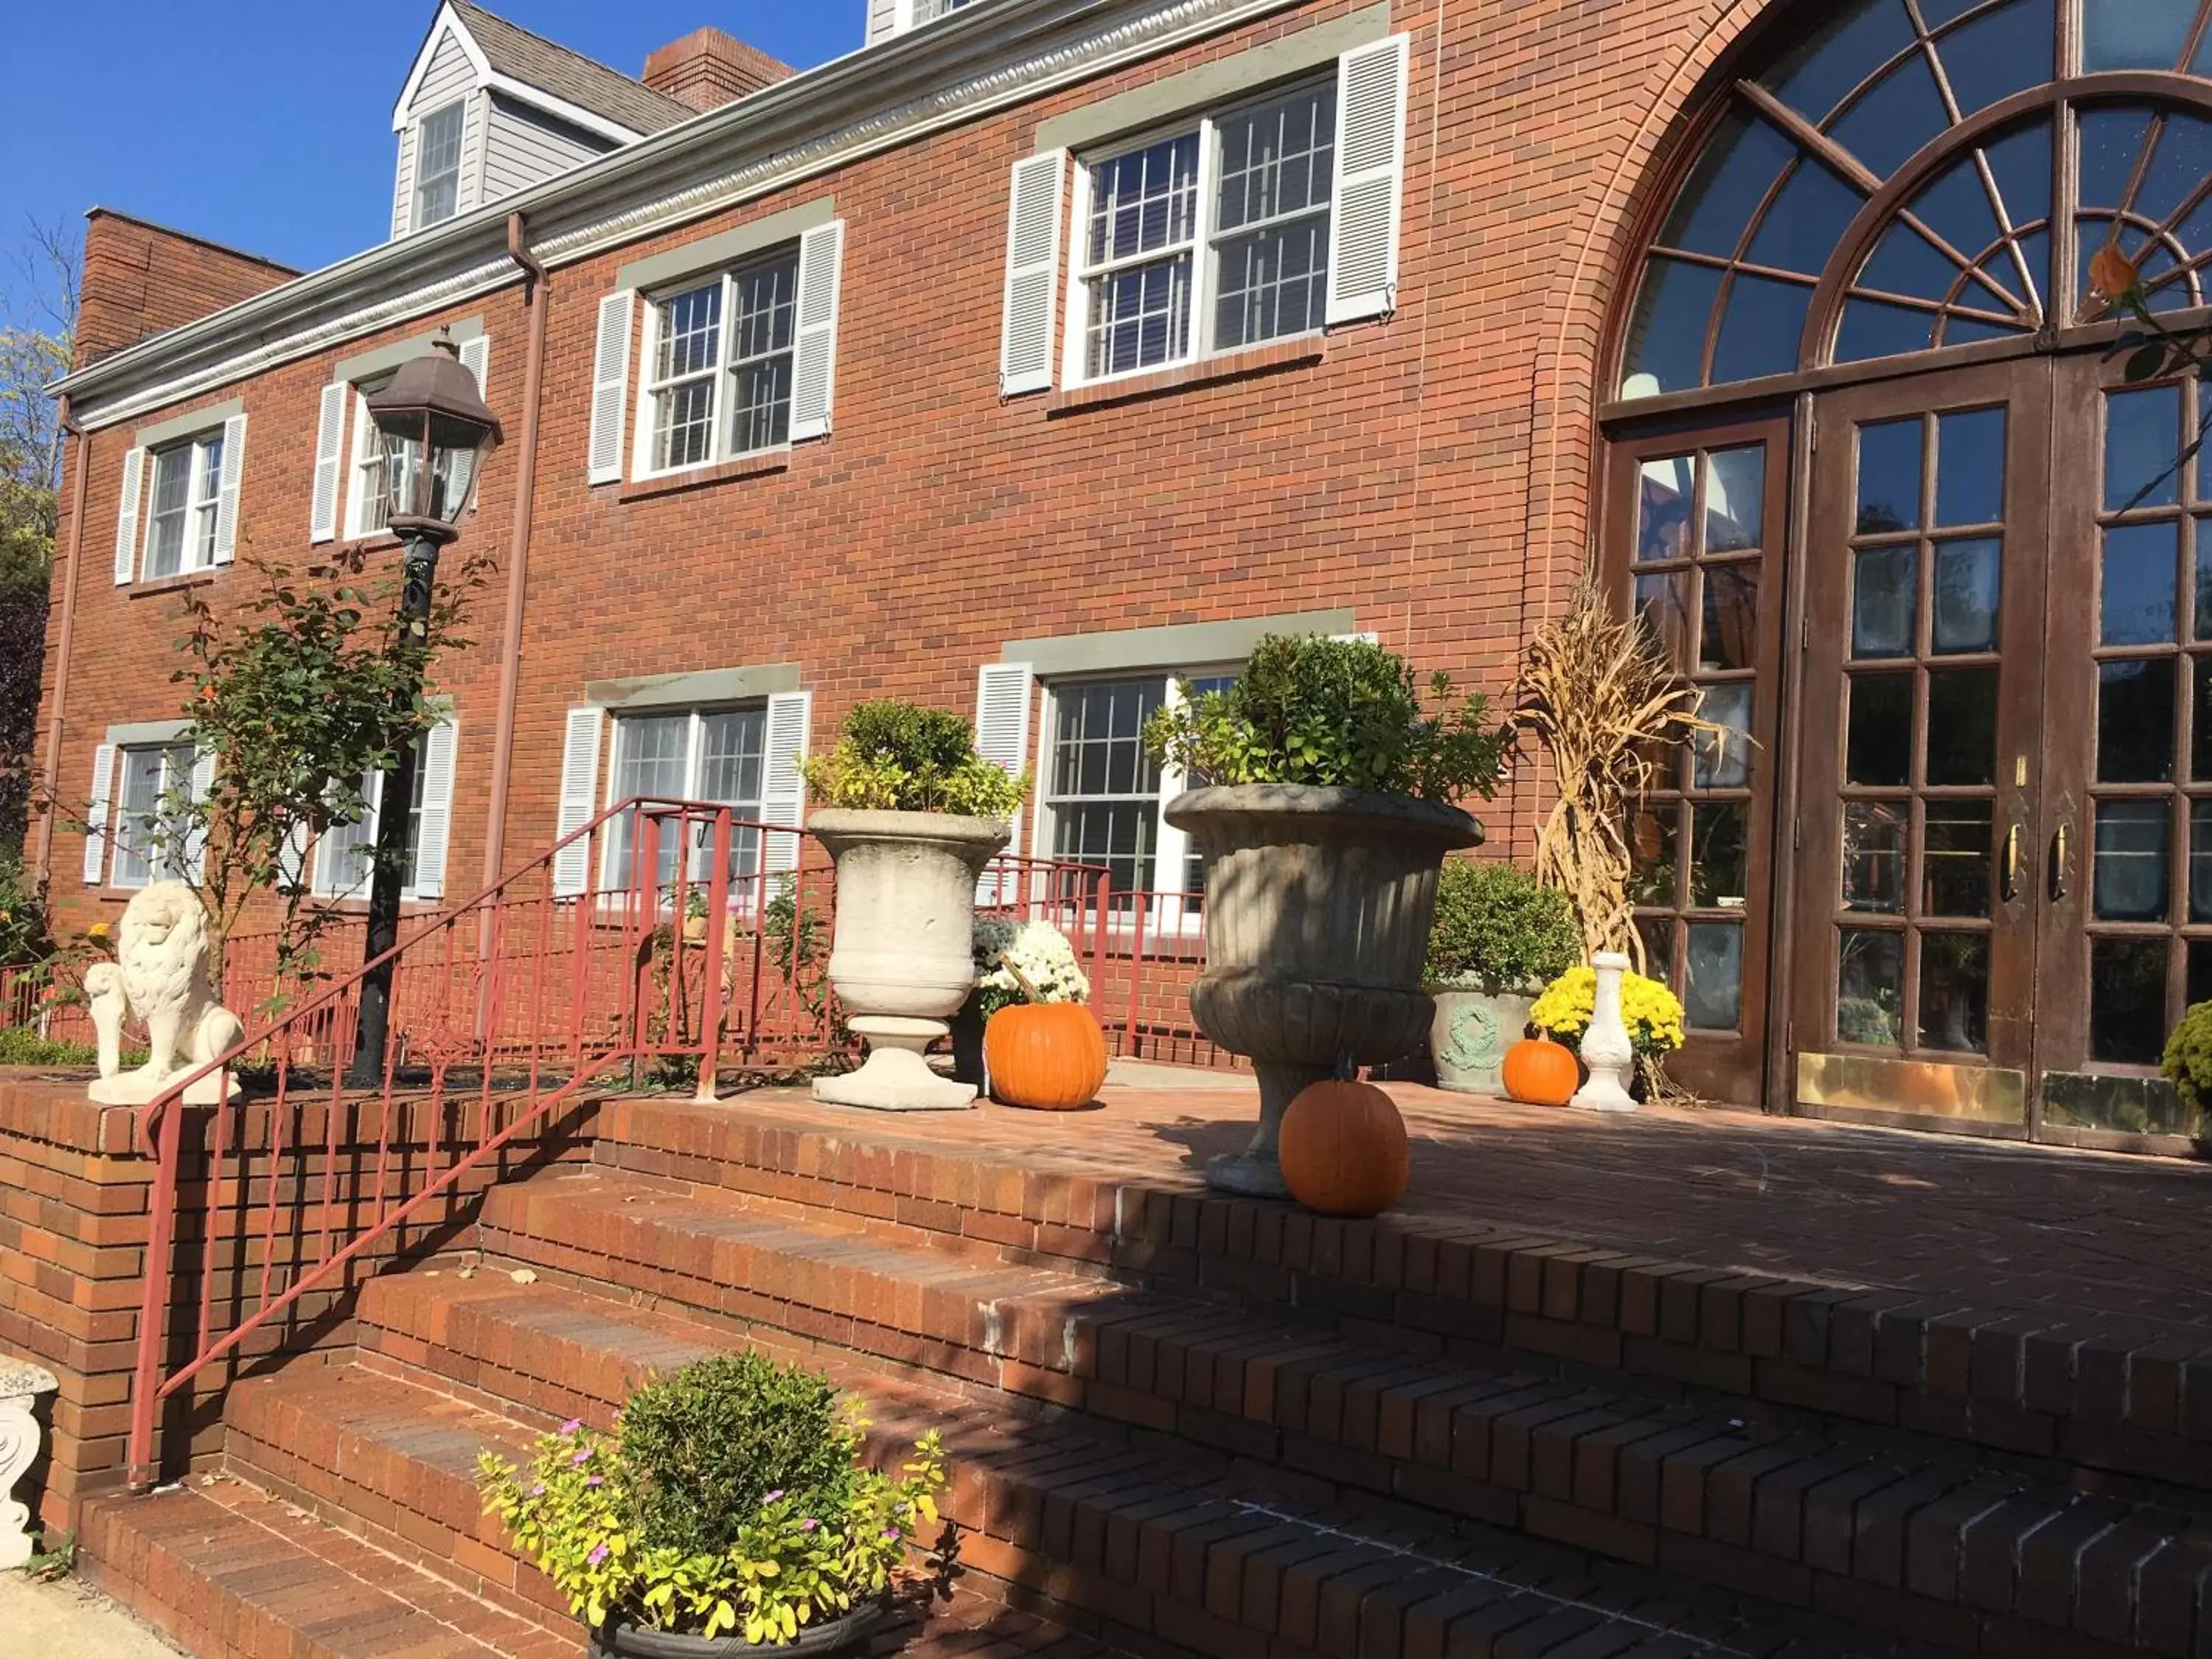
column 1318, row 906
column 1476, row 1023
column 1046, row 1056
column 843, row 1635
column 901, row 958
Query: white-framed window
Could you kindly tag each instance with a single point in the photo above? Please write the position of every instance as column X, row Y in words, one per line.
column 716, row 755
column 1206, row 237
column 187, row 491
column 343, row 853
column 1101, row 799
column 719, row 365
column 929, row 11
column 154, row 788
column 368, row 496
column 438, row 165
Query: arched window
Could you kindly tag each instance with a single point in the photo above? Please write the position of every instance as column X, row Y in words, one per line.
column 1917, row 174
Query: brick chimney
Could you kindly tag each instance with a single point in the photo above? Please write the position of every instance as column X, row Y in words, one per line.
column 707, row 69
column 140, row 278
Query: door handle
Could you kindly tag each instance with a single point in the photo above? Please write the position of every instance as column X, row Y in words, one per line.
column 2062, row 858
column 2012, row 864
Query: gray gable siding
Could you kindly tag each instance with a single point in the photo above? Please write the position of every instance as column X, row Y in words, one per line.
column 450, row 76
column 523, row 146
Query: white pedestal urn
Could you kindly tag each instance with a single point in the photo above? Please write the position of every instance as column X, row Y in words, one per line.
column 21, row 1384
column 901, row 958
column 1318, row 906
column 1606, row 1050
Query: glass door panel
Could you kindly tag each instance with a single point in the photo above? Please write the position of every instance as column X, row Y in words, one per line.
column 2127, row 858
column 1914, row 925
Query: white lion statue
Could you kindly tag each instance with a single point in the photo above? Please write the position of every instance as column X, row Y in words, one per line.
column 159, row 974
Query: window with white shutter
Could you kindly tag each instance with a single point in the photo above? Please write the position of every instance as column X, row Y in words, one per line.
column 126, row 516
column 1032, row 273
column 153, row 834
column 231, row 479
column 1370, row 164
column 1003, row 692
column 611, row 388
column 579, row 775
column 96, row 815
column 783, row 790
column 344, row 859
column 814, row 358
column 330, row 462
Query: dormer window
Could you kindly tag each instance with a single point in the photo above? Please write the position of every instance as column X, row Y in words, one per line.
column 438, row 166
column 926, row 11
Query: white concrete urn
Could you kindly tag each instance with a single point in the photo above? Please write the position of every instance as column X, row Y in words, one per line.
column 902, row 959
column 22, row 1383
column 1606, row 1050
column 1318, row 906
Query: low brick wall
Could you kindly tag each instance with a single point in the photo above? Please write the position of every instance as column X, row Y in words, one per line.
column 74, row 1201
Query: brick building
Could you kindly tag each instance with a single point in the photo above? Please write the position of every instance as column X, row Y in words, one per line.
column 1044, row 351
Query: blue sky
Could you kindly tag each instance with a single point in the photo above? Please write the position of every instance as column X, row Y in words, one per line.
column 267, row 123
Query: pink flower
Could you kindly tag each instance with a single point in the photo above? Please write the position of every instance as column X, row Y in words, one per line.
column 808, row 1524
column 538, row 1491
column 580, row 1458
column 595, row 1481
column 773, row 1496
column 599, row 1552
column 572, row 1425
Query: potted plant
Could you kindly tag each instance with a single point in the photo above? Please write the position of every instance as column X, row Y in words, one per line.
column 1499, row 938
column 914, row 815
column 1651, row 1013
column 1042, row 1048
column 732, row 1510
column 1326, row 813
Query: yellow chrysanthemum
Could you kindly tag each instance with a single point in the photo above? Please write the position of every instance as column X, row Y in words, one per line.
column 1652, row 1013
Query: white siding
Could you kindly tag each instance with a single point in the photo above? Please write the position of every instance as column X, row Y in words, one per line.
column 403, row 191
column 450, row 76
column 472, row 154
column 523, row 147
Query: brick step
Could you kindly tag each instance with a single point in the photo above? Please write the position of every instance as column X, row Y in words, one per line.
column 1147, row 1545
column 227, row 1571
column 1896, row 1531
column 2105, row 1394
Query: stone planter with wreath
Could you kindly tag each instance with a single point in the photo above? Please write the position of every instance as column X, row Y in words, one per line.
column 1329, row 814
column 912, row 816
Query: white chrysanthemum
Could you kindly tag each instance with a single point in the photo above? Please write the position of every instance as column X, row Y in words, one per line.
column 1041, row 953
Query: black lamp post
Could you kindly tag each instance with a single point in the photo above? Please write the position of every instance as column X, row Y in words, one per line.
column 436, row 429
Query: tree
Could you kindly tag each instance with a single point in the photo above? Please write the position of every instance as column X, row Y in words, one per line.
column 300, row 693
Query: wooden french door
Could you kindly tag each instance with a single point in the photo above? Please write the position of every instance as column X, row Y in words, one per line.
column 1699, row 522
column 1924, row 792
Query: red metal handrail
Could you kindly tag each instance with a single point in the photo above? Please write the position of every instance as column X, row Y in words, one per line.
column 683, row 937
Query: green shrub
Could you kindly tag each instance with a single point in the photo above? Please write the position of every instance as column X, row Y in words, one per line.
column 23, row 930
column 20, row 1045
column 733, row 1503
column 900, row 757
column 1494, row 922
column 706, row 1444
column 1315, row 710
column 2188, row 1062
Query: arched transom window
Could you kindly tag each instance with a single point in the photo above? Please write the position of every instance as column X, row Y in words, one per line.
column 1915, row 174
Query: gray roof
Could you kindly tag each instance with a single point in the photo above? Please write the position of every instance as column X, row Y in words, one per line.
column 537, row 62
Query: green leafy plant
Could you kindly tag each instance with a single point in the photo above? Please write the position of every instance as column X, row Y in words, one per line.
column 22, row 1046
column 735, row 1501
column 2188, row 1060
column 1321, row 711
column 312, row 684
column 1495, row 923
column 24, row 933
column 55, row 1557
column 901, row 758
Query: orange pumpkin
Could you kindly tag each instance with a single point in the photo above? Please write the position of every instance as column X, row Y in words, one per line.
column 1048, row 1056
column 1542, row 1072
column 1343, row 1149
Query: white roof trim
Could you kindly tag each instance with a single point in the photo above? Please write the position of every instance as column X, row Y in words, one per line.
column 448, row 18
column 987, row 58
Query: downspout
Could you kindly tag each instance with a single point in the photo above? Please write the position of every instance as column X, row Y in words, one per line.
column 51, row 778
column 534, row 296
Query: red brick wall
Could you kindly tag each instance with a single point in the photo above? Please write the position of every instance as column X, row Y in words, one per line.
column 140, row 278
column 1432, row 472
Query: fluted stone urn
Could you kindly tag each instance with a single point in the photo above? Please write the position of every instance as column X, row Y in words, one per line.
column 902, row 959
column 1318, row 906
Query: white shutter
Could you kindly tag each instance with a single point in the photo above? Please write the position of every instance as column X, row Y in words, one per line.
column 1002, row 738
column 345, row 863
column 814, row 353
column 610, row 391
column 127, row 517
column 95, row 815
column 475, row 357
column 292, row 861
column 1368, row 638
column 233, row 473
column 1370, row 160
column 783, row 792
column 437, row 761
column 201, row 783
column 580, row 778
column 329, row 461
column 1032, row 274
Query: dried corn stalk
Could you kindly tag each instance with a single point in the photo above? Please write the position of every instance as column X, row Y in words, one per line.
column 1598, row 695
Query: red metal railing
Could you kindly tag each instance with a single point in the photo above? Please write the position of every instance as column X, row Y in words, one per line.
column 659, row 943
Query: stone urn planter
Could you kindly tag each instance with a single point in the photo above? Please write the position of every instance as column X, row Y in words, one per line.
column 901, row 958
column 837, row 1635
column 1318, row 906
column 1476, row 1022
